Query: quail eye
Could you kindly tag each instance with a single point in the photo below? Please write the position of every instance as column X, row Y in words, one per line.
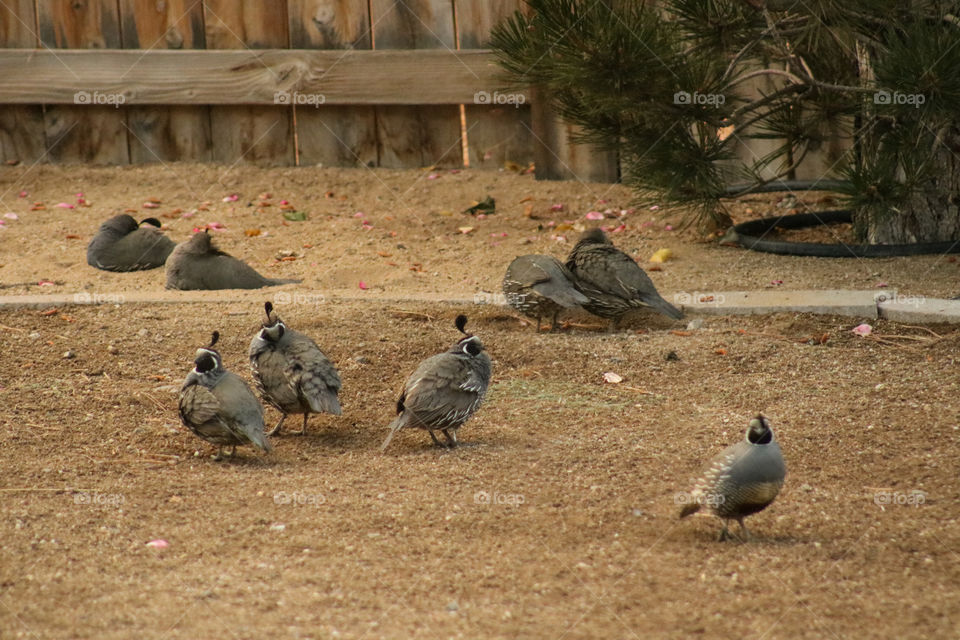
column 471, row 348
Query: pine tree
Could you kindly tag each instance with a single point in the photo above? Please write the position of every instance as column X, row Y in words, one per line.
column 672, row 88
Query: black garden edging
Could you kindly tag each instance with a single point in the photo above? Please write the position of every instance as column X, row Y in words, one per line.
column 750, row 234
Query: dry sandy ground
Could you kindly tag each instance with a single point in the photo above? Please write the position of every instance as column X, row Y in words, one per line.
column 558, row 517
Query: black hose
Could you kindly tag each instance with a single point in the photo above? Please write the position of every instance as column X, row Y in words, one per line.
column 749, row 235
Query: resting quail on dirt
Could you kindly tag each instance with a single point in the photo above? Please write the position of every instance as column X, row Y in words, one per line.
column 123, row 245
column 537, row 286
column 291, row 373
column 198, row 264
column 612, row 280
column 218, row 406
column 742, row 480
column 445, row 390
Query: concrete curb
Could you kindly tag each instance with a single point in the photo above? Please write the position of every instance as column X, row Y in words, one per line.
column 871, row 304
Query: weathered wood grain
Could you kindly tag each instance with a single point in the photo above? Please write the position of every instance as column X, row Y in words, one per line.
column 426, row 135
column 246, row 77
column 495, row 133
column 22, row 137
column 557, row 158
column 329, row 134
column 162, row 133
column 88, row 134
column 250, row 134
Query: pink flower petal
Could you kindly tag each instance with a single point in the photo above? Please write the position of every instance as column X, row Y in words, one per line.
column 359, row 214
column 22, row 194
column 862, row 329
column 188, row 214
column 481, row 216
column 44, row 283
column 881, row 285
column 216, row 226
column 776, row 283
column 283, row 202
column 622, row 227
column 63, row 205
column 150, row 205
column 11, row 216
column 362, row 285
column 432, row 176
column 556, row 207
column 646, row 225
column 233, row 197
column 158, row 544
column 655, row 207
column 454, row 171
column 668, row 227
column 594, row 215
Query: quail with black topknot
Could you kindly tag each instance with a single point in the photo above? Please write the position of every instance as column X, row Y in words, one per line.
column 218, row 406
column 445, row 390
column 612, row 280
column 538, row 286
column 291, row 373
column 198, row 264
column 742, row 480
column 123, row 245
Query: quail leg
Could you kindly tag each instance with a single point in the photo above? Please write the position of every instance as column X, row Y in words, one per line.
column 724, row 533
column 276, row 429
column 744, row 531
column 538, row 324
column 451, row 437
column 614, row 324
column 553, row 327
column 434, row 438
column 303, row 429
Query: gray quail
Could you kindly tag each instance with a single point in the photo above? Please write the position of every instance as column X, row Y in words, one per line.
column 198, row 264
column 445, row 390
column 218, row 406
column 612, row 280
column 123, row 245
column 538, row 286
column 742, row 480
column 291, row 373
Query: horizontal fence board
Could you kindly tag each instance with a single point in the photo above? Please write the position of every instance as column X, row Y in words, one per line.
column 405, row 77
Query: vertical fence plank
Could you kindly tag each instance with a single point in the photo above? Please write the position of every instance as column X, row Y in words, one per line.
column 339, row 136
column 249, row 134
column 21, row 126
column 165, row 133
column 90, row 133
column 411, row 136
column 496, row 133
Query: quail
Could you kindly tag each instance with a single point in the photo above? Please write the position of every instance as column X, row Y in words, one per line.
column 123, row 245
column 612, row 280
column 198, row 264
column 445, row 390
column 538, row 286
column 291, row 373
column 218, row 406
column 742, row 480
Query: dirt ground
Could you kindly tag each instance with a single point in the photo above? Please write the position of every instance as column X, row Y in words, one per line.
column 557, row 519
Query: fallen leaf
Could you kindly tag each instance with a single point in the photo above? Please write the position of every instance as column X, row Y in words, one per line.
column 528, row 211
column 661, row 256
column 526, row 199
column 50, row 312
column 612, row 378
column 295, row 216
column 563, row 226
column 720, row 352
column 329, row 194
column 487, row 205
column 466, row 230
column 384, row 254
column 252, row 233
column 683, row 334
column 72, row 236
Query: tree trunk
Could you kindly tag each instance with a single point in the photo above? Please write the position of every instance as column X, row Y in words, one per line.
column 932, row 213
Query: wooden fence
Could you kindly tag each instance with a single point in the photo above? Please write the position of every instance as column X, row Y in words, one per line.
column 382, row 83
column 378, row 83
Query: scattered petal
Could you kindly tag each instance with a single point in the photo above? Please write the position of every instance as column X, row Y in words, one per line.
column 668, row 227
column 189, row 214
column 466, row 230
column 233, row 197
column 45, row 283
column 63, row 205
column 150, row 205
column 158, row 544
column 11, row 216
column 22, row 194
column 454, row 171
column 612, row 378
column 215, row 226
column 433, row 176
column 863, row 329
column 556, row 207
column 362, row 285
column 594, row 215
column 776, row 283
column 284, row 202
column 619, row 229
column 655, row 207
column 881, row 285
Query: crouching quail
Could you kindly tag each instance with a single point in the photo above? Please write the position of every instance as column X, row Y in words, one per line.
column 198, row 264
column 742, row 480
column 291, row 372
column 538, row 286
column 445, row 390
column 218, row 406
column 123, row 245
column 612, row 280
